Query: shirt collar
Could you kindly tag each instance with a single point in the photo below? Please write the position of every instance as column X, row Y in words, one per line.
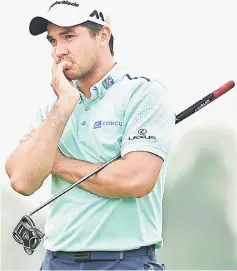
column 100, row 88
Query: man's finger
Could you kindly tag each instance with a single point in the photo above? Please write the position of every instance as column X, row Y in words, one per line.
column 54, row 67
column 63, row 65
column 27, row 136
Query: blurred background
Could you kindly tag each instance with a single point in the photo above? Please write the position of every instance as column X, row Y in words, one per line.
column 190, row 46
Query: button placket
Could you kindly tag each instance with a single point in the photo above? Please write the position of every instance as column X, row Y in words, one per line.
column 94, row 94
column 83, row 120
column 82, row 127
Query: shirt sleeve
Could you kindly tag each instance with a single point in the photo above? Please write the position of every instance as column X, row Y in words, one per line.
column 149, row 121
column 39, row 116
column 37, row 119
column 34, row 121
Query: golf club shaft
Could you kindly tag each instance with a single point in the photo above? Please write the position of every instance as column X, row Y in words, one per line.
column 183, row 115
column 75, row 184
column 205, row 101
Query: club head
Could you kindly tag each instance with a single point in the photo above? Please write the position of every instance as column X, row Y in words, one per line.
column 26, row 234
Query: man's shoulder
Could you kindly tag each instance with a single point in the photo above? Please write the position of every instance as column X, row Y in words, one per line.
column 134, row 82
column 138, row 86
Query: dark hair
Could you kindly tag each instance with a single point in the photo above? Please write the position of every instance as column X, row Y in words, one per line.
column 95, row 29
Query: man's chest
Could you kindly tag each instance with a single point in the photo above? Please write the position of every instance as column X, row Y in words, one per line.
column 95, row 130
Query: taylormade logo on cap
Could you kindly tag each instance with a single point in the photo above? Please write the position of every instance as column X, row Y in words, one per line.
column 69, row 13
column 64, row 3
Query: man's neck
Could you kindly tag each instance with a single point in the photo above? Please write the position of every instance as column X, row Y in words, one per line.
column 86, row 83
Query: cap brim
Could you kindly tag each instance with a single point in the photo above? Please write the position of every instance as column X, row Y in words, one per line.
column 38, row 25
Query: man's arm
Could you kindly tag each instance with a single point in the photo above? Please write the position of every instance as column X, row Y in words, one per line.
column 136, row 174
column 133, row 176
column 30, row 164
column 32, row 161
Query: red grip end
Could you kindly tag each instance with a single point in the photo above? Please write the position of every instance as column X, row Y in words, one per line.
column 222, row 90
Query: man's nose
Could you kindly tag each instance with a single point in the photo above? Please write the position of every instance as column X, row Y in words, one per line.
column 61, row 50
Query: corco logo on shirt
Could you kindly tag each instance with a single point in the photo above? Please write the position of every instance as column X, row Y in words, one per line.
column 100, row 124
column 142, row 134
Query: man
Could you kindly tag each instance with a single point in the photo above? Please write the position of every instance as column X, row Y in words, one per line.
column 114, row 219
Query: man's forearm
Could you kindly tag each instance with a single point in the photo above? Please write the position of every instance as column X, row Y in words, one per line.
column 31, row 163
column 114, row 181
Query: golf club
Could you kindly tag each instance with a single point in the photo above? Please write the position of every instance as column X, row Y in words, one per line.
column 26, row 233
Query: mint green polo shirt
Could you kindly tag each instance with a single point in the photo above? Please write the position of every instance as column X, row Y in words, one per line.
column 124, row 114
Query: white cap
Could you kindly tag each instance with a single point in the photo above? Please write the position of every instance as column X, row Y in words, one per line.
column 67, row 14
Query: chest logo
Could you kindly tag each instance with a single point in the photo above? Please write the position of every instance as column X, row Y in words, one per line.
column 100, row 124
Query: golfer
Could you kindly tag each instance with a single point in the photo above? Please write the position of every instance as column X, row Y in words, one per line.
column 112, row 221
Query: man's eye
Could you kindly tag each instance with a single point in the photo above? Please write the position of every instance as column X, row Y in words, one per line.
column 52, row 41
column 68, row 37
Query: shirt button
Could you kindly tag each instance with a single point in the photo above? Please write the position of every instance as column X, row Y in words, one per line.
column 87, row 108
column 83, row 123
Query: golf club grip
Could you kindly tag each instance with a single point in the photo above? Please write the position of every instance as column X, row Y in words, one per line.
column 183, row 115
column 205, row 101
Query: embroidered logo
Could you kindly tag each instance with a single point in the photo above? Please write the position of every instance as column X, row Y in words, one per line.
column 64, row 3
column 97, row 124
column 108, row 82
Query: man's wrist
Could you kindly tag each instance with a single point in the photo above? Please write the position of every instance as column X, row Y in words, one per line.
column 58, row 164
column 68, row 100
column 64, row 108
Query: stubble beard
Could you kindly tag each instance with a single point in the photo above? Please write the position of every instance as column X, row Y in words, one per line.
column 84, row 72
column 89, row 69
column 79, row 75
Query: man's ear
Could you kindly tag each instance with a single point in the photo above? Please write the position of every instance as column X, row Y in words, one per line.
column 105, row 36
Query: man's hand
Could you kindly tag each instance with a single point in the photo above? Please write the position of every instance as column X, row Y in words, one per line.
column 59, row 158
column 61, row 85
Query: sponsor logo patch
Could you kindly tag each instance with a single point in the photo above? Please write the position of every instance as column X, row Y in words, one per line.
column 108, row 82
column 100, row 124
column 142, row 134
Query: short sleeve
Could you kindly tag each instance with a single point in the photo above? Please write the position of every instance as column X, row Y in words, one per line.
column 37, row 119
column 149, row 121
column 39, row 116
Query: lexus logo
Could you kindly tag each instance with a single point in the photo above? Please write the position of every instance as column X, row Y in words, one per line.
column 142, row 131
column 142, row 134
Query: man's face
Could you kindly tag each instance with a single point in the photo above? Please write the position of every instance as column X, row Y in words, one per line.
column 77, row 45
